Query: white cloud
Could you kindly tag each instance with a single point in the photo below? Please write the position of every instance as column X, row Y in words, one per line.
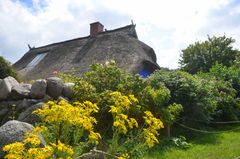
column 167, row 26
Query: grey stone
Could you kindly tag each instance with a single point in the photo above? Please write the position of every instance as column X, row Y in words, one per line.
column 14, row 131
column 39, row 88
column 46, row 98
column 12, row 81
column 7, row 117
column 6, row 86
column 67, row 91
column 3, row 104
column 5, row 90
column 9, row 103
column 3, row 113
column 54, row 87
column 27, row 115
column 63, row 98
column 20, row 106
column 20, row 91
column 25, row 103
column 7, row 110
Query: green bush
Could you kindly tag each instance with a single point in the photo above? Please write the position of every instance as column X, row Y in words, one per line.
column 113, row 89
column 195, row 94
column 6, row 69
column 230, row 74
column 105, row 78
column 226, row 82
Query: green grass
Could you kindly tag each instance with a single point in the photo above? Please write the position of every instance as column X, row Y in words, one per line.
column 204, row 146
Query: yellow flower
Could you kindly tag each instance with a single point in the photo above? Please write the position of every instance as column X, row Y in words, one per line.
column 78, row 114
column 133, row 99
column 55, row 113
column 132, row 122
column 14, row 148
column 13, row 156
column 39, row 129
column 151, row 132
column 124, row 156
column 94, row 137
column 122, row 123
column 113, row 109
column 32, row 139
column 61, row 147
column 38, row 153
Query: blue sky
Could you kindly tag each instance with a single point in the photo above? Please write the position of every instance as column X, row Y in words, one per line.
column 167, row 26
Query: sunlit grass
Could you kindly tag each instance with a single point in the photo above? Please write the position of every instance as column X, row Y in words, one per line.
column 204, row 146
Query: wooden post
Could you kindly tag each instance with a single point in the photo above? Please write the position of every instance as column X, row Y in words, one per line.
column 168, row 131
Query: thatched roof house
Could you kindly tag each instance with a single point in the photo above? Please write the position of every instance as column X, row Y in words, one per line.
column 121, row 45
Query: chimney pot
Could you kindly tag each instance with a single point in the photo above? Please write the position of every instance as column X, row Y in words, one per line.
column 95, row 28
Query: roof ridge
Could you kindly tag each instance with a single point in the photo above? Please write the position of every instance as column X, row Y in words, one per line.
column 85, row 37
column 121, row 28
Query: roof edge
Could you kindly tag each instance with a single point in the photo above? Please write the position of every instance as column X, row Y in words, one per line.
column 75, row 39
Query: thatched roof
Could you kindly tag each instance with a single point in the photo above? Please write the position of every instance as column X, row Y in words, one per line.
column 121, row 45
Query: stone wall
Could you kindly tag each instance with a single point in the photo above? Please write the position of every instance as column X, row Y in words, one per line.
column 18, row 100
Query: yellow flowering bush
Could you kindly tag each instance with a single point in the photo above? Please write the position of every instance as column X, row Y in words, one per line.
column 151, row 131
column 123, row 123
column 62, row 150
column 62, row 120
column 120, row 106
column 118, row 115
column 62, row 115
column 14, row 150
column 120, row 109
column 124, row 156
column 30, row 148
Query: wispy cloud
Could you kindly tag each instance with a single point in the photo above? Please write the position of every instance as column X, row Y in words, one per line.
column 167, row 26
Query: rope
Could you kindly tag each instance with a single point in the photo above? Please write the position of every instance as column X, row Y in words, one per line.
column 204, row 131
column 226, row 122
column 220, row 122
column 213, row 122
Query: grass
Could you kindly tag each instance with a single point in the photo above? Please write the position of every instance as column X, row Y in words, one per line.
column 204, row 146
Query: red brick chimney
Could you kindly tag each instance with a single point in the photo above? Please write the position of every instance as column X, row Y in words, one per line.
column 95, row 28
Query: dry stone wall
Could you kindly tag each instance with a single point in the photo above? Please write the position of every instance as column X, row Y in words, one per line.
column 18, row 100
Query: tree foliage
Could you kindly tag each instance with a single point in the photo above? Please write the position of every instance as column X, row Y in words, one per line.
column 6, row 69
column 201, row 56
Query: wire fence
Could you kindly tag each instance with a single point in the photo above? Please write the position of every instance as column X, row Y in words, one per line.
column 205, row 131
column 209, row 122
column 216, row 122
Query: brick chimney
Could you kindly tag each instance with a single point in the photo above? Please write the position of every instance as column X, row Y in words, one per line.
column 95, row 28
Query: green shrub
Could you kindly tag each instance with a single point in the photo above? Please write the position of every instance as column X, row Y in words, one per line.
column 6, row 69
column 122, row 99
column 230, row 74
column 195, row 94
column 226, row 83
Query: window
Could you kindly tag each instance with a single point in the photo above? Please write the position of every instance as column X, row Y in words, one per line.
column 36, row 60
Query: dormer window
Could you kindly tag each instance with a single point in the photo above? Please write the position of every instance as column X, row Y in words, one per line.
column 36, row 60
